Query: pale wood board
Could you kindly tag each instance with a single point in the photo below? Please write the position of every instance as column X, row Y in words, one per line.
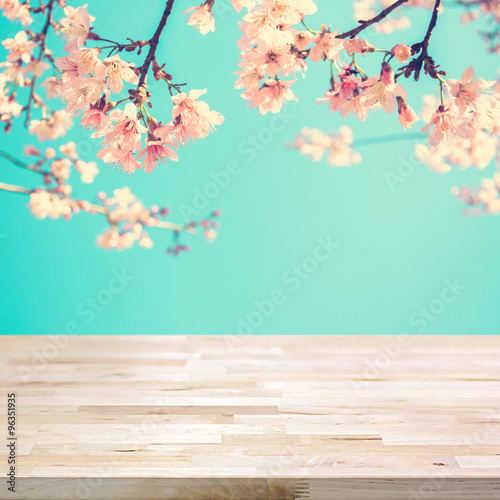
column 313, row 417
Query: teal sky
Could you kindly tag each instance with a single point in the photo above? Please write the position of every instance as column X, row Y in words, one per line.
column 396, row 251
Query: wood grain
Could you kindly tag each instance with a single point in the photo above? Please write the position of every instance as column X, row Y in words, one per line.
column 203, row 417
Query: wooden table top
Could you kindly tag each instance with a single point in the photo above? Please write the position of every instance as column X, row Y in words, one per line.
column 259, row 417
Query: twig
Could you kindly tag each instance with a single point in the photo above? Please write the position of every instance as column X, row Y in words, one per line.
column 15, row 189
column 43, row 37
column 432, row 24
column 424, row 59
column 153, row 43
column 20, row 164
column 366, row 24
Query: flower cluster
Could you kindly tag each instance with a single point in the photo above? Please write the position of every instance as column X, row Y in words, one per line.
column 17, row 11
column 89, row 84
column 337, row 145
column 131, row 136
column 274, row 51
column 126, row 216
column 485, row 199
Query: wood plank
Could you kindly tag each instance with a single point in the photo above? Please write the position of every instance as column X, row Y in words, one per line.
column 254, row 417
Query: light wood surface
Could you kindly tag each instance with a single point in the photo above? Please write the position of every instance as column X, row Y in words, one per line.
column 315, row 417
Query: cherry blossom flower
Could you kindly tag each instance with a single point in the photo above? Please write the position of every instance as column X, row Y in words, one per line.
column 117, row 71
column 14, row 10
column 51, row 85
column 401, row 52
column 83, row 92
column 122, row 158
column 337, row 145
column 382, row 90
column 75, row 27
column 469, row 92
column 407, row 116
column 192, row 119
column 476, row 151
column 86, row 60
column 302, row 39
column 69, row 150
column 43, row 204
column 446, row 127
column 127, row 131
column 202, row 18
column 51, row 128
column 20, row 47
column 272, row 95
column 327, row 46
column 95, row 119
column 37, row 68
column 155, row 153
column 88, row 170
column 358, row 46
column 343, row 97
column 61, row 168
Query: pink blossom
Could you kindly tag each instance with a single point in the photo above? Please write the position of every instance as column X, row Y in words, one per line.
column 14, row 72
column 37, row 68
column 69, row 150
column 122, row 158
column 407, row 116
column 303, row 39
column 467, row 91
column 272, row 96
column 192, row 118
column 13, row 10
column 86, row 60
column 43, row 204
column 51, row 128
column 30, row 150
column 249, row 77
column 75, row 27
column 61, row 169
column 83, row 92
column 95, row 119
column 401, row 52
column 51, row 84
column 202, row 18
column 327, row 46
column 343, row 92
column 20, row 47
column 157, row 152
column 447, row 126
column 337, row 145
column 358, row 46
column 117, row 71
column 289, row 12
column 382, row 90
column 271, row 60
column 127, row 131
column 88, row 170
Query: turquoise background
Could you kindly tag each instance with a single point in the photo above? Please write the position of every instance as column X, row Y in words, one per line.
column 397, row 247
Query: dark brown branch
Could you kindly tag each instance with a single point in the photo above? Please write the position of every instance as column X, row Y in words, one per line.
column 43, row 42
column 366, row 24
column 432, row 24
column 430, row 67
column 153, row 43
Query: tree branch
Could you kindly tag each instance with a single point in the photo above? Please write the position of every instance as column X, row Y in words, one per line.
column 432, row 24
column 15, row 189
column 153, row 43
column 366, row 24
column 43, row 41
column 423, row 59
